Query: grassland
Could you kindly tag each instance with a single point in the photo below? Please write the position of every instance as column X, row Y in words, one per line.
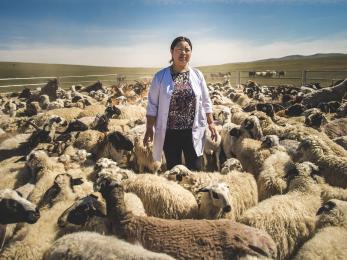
column 321, row 69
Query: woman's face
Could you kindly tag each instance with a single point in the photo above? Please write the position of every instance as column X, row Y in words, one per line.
column 181, row 53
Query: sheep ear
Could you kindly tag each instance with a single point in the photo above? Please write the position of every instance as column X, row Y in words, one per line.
column 77, row 181
column 205, row 189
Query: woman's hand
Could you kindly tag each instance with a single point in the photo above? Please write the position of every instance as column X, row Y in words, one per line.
column 148, row 136
column 213, row 132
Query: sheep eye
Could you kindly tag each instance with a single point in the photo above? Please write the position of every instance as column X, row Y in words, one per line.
column 215, row 195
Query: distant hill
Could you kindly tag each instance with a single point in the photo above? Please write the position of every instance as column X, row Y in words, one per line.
column 314, row 56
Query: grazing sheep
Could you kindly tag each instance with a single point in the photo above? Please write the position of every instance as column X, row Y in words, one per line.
column 290, row 218
column 331, row 235
column 39, row 236
column 333, row 168
column 184, row 239
column 93, row 246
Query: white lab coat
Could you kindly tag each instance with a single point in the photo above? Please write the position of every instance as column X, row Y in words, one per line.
column 159, row 102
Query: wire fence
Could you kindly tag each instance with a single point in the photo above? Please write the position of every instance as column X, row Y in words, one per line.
column 268, row 77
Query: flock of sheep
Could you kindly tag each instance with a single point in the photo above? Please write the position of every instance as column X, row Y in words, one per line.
column 76, row 181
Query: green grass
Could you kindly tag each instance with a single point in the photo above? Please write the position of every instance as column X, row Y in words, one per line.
column 293, row 68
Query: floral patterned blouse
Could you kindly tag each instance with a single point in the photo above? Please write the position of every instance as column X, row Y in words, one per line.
column 182, row 103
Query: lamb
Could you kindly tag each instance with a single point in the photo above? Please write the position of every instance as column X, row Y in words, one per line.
column 212, row 149
column 183, row 239
column 144, row 156
column 32, row 245
column 328, row 243
column 333, row 168
column 289, row 218
column 89, row 245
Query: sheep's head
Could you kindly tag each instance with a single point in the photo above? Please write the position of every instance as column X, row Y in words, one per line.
column 252, row 127
column 302, row 177
column 112, row 111
column 105, row 184
column 82, row 210
column 120, row 141
column 332, row 213
column 219, row 195
column 14, row 208
column 305, row 149
column 230, row 165
column 177, row 173
column 270, row 141
column 63, row 184
column 315, row 120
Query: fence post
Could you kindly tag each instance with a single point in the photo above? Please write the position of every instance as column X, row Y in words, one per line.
column 303, row 77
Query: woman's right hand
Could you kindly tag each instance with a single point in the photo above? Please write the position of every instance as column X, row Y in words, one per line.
column 148, row 136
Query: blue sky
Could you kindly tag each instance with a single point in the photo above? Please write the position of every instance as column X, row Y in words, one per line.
column 139, row 32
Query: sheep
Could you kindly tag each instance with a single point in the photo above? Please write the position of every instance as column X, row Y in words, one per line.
column 328, row 243
column 14, row 208
column 336, row 128
column 88, row 213
column 228, row 140
column 335, row 93
column 144, row 156
column 113, row 145
column 271, row 177
column 290, row 218
column 329, row 192
column 241, row 198
column 333, row 168
column 33, row 244
column 131, row 112
column 342, row 140
column 162, row 198
column 44, row 170
column 212, row 148
column 89, row 245
column 67, row 113
column 13, row 173
column 183, row 239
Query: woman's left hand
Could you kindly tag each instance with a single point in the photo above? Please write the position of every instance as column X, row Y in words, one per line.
column 213, row 132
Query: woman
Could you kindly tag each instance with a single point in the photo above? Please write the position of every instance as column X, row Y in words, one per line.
column 179, row 108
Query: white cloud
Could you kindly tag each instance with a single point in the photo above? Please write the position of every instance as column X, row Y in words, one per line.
column 206, row 51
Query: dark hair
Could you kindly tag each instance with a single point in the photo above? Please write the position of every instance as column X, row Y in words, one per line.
column 180, row 39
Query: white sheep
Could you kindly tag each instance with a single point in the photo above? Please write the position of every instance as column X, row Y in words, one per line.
column 333, row 168
column 290, row 218
column 243, row 192
column 144, row 156
column 230, row 165
column 331, row 234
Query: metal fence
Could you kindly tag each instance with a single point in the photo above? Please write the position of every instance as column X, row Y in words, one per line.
column 287, row 77
column 290, row 77
column 17, row 84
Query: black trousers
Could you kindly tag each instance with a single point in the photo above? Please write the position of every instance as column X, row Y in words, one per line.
column 176, row 142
